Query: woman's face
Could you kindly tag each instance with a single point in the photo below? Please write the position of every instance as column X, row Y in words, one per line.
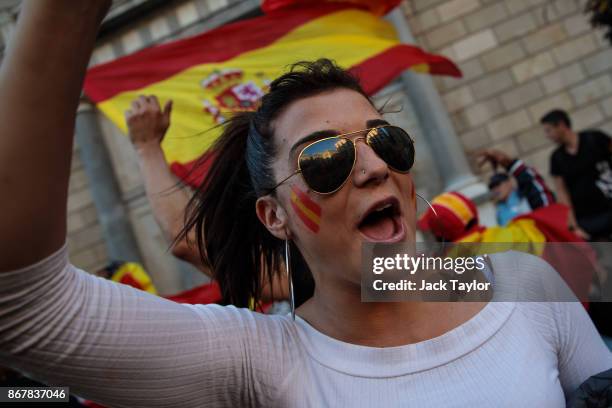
column 376, row 203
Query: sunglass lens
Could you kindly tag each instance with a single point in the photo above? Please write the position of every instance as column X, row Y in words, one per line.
column 327, row 164
column 394, row 146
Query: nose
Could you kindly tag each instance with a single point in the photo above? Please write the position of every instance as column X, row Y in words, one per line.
column 369, row 168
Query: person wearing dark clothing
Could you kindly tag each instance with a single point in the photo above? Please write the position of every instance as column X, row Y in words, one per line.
column 595, row 392
column 582, row 168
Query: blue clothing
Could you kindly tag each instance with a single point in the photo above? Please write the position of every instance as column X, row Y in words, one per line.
column 532, row 193
column 514, row 206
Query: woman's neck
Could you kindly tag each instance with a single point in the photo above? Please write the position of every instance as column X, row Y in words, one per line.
column 342, row 315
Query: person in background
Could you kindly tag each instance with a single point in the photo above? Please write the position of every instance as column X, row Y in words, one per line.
column 582, row 170
column 511, row 200
column 147, row 124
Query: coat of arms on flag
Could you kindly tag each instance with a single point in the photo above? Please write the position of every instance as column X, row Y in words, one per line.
column 232, row 92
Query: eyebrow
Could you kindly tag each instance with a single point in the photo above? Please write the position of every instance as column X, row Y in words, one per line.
column 321, row 134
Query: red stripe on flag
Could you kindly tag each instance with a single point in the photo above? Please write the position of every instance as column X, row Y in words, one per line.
column 193, row 172
column 163, row 61
column 377, row 71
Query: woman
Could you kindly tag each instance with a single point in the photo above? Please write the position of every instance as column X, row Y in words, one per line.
column 123, row 347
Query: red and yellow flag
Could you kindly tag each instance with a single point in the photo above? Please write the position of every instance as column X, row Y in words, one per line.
column 226, row 70
column 537, row 232
column 133, row 274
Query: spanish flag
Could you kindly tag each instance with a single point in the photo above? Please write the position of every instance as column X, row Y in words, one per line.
column 226, row 70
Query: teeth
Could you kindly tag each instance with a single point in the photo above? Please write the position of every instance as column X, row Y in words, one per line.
column 383, row 207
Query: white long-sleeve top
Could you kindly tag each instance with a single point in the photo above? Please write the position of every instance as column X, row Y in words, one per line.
column 126, row 348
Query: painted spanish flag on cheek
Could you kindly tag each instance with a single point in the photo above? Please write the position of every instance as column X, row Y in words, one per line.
column 226, row 70
column 305, row 208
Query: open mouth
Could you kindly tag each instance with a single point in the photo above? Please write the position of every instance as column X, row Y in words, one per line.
column 383, row 222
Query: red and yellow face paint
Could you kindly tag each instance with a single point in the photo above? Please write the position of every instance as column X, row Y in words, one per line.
column 308, row 211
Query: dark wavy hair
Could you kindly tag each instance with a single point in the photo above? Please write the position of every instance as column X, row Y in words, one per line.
column 228, row 234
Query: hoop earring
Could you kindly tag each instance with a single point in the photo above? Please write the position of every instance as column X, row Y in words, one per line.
column 289, row 277
column 431, row 207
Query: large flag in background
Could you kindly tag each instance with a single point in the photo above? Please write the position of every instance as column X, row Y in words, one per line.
column 228, row 69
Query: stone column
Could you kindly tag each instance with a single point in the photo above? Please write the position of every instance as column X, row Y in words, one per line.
column 112, row 214
column 447, row 153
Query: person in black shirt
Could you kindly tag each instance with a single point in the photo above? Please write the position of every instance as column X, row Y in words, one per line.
column 581, row 167
column 582, row 171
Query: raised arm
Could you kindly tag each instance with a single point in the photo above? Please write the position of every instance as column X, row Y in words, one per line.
column 40, row 84
column 147, row 124
column 530, row 184
column 123, row 347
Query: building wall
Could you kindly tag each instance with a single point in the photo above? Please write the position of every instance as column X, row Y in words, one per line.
column 520, row 59
column 85, row 240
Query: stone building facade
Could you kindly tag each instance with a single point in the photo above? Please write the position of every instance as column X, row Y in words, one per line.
column 520, row 59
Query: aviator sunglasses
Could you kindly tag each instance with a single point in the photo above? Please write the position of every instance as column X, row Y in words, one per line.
column 327, row 164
